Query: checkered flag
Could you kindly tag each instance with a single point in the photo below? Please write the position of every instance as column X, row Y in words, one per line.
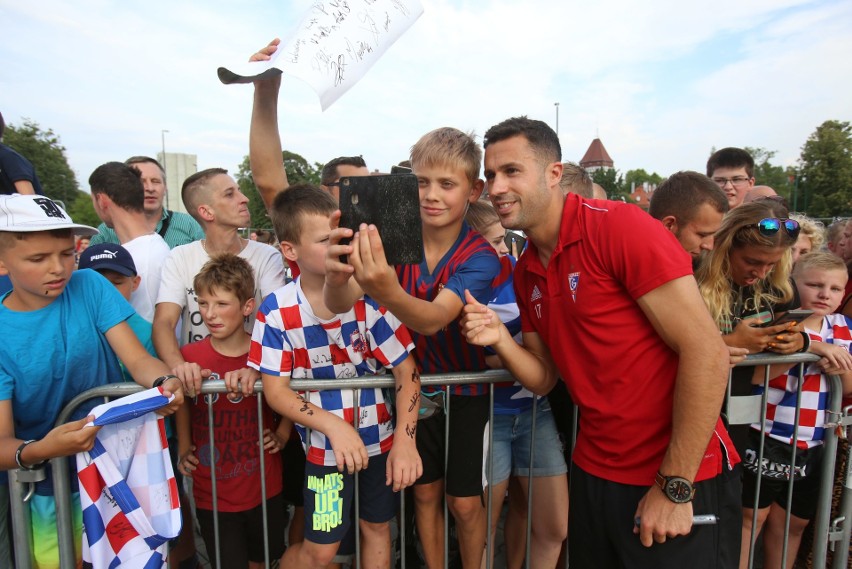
column 128, row 490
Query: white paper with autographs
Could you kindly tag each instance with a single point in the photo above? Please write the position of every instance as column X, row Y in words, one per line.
column 335, row 44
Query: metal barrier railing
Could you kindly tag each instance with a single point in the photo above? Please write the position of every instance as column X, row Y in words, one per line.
column 827, row 532
column 835, row 420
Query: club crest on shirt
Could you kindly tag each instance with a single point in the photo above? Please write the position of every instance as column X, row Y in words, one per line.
column 573, row 283
column 358, row 342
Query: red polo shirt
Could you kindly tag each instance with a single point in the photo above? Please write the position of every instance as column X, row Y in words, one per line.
column 620, row 372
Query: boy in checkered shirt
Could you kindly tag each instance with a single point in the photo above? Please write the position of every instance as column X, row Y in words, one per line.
column 820, row 280
column 296, row 336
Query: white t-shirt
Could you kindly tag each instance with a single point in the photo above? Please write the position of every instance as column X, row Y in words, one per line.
column 149, row 252
column 186, row 261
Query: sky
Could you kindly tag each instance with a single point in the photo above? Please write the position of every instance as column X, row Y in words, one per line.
column 661, row 83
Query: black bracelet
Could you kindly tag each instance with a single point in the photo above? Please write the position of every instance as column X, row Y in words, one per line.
column 807, row 340
column 18, row 457
column 162, row 379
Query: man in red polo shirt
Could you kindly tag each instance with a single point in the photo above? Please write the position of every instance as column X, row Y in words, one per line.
column 608, row 301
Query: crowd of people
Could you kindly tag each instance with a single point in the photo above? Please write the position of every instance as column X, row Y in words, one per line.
column 634, row 318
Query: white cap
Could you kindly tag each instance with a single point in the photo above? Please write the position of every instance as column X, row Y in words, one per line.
column 25, row 213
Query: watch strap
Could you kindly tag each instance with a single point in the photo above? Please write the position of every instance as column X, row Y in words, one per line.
column 162, row 379
column 18, row 460
column 806, row 342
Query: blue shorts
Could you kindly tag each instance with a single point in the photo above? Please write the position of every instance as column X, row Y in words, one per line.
column 329, row 496
column 512, row 440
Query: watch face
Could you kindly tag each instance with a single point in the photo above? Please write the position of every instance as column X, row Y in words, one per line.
column 679, row 490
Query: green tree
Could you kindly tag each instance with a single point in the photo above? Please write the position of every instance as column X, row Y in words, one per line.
column 259, row 217
column 639, row 176
column 82, row 210
column 825, row 173
column 299, row 171
column 44, row 150
column 768, row 174
column 612, row 181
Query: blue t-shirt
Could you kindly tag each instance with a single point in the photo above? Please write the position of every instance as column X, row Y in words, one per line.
column 51, row 355
column 143, row 330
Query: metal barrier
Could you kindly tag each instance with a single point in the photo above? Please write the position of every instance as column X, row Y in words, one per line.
column 835, row 420
column 838, row 531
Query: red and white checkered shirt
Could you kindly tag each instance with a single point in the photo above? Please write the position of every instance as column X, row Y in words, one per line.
column 290, row 340
column 782, row 394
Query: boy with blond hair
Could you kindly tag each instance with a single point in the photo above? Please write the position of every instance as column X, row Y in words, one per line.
column 820, row 279
column 297, row 337
column 78, row 321
column 428, row 298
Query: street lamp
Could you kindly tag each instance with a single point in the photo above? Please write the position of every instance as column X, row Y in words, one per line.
column 557, row 118
column 163, row 140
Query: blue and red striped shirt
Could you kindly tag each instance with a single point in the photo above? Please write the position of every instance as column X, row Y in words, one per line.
column 472, row 264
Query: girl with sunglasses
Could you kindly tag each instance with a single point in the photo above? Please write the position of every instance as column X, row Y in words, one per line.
column 745, row 279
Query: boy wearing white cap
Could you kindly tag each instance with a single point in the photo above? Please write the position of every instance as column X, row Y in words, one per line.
column 66, row 331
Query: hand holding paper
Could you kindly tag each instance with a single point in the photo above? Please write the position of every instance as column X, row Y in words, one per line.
column 335, row 44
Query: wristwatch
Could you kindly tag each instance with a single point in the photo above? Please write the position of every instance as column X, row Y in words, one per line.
column 676, row 488
column 162, row 379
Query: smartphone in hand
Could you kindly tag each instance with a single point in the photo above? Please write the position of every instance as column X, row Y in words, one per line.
column 790, row 316
column 515, row 242
column 392, row 204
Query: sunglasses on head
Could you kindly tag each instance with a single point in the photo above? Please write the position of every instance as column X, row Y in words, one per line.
column 769, row 226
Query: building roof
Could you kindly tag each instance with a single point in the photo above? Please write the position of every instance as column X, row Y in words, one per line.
column 596, row 155
column 641, row 195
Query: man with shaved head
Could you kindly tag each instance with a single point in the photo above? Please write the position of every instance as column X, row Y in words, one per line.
column 216, row 202
column 761, row 193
